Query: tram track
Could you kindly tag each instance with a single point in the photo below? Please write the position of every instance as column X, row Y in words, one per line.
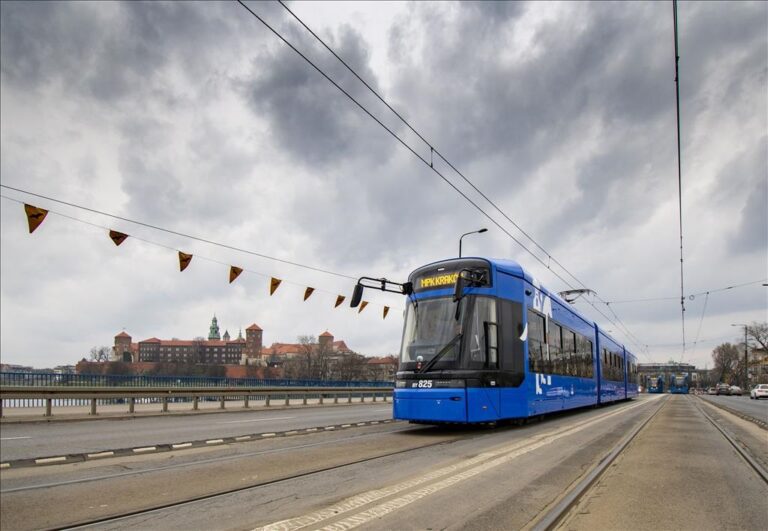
column 759, row 469
column 571, row 497
column 402, row 493
column 562, row 509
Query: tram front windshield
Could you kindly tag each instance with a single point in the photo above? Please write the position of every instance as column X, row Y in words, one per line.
column 432, row 330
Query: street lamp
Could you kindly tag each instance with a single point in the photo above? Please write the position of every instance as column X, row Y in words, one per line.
column 746, row 359
column 467, row 234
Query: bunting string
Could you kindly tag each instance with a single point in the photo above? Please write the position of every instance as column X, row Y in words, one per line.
column 36, row 215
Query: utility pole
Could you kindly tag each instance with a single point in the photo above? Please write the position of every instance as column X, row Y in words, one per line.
column 746, row 357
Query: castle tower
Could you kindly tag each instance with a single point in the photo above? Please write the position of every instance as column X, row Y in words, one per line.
column 225, row 337
column 252, row 349
column 214, row 330
column 326, row 341
column 122, row 349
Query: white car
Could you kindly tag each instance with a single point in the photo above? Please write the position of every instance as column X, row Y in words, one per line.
column 759, row 391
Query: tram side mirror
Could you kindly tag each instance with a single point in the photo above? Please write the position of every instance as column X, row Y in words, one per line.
column 357, row 296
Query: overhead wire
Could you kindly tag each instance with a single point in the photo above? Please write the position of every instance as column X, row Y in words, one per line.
column 430, row 163
column 679, row 171
column 397, row 137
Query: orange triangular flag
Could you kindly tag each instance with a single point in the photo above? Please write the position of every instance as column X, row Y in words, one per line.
column 184, row 260
column 273, row 285
column 386, row 311
column 362, row 306
column 117, row 237
column 234, row 272
column 35, row 216
column 308, row 292
column 339, row 300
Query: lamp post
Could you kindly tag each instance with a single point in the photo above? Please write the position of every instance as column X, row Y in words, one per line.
column 467, row 234
column 746, row 359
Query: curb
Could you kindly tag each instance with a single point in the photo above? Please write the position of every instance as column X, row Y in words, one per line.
column 158, row 448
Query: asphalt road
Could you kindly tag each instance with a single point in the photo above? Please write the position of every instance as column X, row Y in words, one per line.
column 25, row 441
column 678, row 474
column 389, row 476
column 754, row 408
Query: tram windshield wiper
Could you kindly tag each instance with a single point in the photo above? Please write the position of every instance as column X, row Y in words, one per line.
column 443, row 352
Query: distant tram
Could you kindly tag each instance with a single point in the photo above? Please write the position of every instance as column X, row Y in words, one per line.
column 678, row 384
column 655, row 384
column 483, row 341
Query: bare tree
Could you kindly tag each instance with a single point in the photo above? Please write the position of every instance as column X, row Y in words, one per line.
column 100, row 354
column 349, row 366
column 728, row 363
column 757, row 335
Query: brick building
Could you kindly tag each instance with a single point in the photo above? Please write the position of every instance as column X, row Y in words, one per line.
column 220, row 350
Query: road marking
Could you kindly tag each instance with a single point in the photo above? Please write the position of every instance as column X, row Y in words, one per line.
column 294, row 432
column 267, row 434
column 181, row 445
column 5, row 465
column 214, row 441
column 50, row 460
column 254, row 420
column 145, row 449
column 13, row 438
column 243, row 438
column 460, row 472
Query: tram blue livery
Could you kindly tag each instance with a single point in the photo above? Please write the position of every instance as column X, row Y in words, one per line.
column 678, row 384
column 655, row 384
column 484, row 341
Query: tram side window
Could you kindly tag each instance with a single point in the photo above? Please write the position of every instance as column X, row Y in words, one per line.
column 587, row 362
column 554, row 339
column 569, row 353
column 537, row 352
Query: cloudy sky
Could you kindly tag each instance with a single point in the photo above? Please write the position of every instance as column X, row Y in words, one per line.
column 195, row 118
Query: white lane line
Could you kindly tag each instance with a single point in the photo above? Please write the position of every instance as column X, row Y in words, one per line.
column 13, row 438
column 460, row 471
column 214, row 441
column 243, row 438
column 50, row 460
column 145, row 449
column 5, row 465
column 254, row 420
column 181, row 445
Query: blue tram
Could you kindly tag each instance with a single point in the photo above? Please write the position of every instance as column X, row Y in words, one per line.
column 655, row 384
column 678, row 384
column 483, row 341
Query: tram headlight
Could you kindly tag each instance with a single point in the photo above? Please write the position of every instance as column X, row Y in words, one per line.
column 400, row 384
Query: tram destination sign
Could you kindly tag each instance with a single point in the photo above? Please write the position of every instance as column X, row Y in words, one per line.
column 443, row 276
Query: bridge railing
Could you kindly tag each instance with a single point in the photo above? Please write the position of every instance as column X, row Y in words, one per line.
column 57, row 396
column 46, row 379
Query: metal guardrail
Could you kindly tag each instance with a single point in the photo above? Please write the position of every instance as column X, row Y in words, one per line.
column 46, row 379
column 51, row 396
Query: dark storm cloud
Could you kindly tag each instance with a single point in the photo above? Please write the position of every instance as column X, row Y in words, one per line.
column 110, row 54
column 309, row 117
column 751, row 235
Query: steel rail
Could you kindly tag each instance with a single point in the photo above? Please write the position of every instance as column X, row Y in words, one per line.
column 130, row 514
column 555, row 515
column 192, row 500
column 756, row 466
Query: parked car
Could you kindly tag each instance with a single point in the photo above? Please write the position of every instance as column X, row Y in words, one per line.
column 759, row 391
column 735, row 390
column 723, row 389
column 712, row 391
